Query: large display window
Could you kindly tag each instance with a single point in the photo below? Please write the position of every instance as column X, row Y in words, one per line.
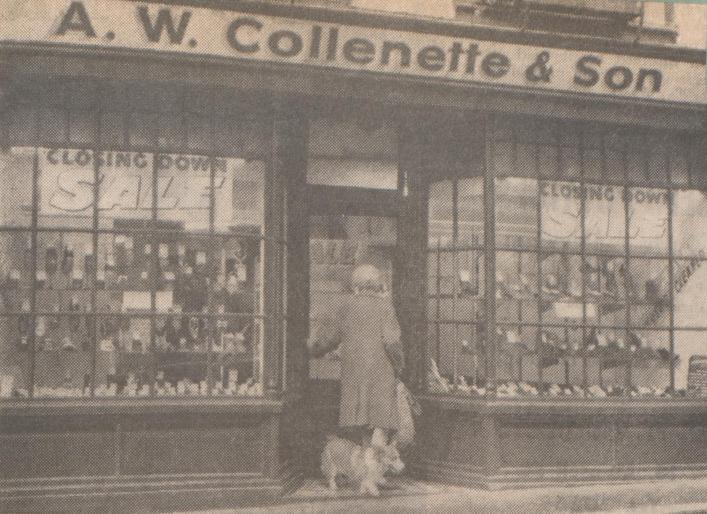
column 132, row 242
column 597, row 255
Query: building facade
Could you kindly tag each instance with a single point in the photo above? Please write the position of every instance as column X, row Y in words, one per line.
column 188, row 186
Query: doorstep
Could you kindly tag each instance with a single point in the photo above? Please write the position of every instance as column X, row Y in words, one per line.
column 317, row 490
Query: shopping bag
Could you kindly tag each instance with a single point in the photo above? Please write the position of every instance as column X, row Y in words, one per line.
column 407, row 405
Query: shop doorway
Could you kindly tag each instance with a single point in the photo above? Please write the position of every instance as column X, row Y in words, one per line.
column 347, row 227
column 337, row 244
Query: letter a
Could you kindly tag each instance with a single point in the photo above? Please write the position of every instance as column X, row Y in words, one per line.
column 76, row 18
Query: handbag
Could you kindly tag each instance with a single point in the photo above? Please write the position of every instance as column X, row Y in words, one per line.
column 393, row 350
column 408, row 408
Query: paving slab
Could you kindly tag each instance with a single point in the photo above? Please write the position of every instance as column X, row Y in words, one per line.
column 409, row 496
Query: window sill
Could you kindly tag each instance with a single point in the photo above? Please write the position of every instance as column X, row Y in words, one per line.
column 138, row 406
column 567, row 406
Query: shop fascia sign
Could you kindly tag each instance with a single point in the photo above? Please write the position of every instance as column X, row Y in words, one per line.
column 255, row 37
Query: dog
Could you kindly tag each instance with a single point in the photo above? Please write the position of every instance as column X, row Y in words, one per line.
column 366, row 466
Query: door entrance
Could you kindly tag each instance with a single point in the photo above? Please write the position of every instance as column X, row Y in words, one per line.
column 347, row 227
column 337, row 244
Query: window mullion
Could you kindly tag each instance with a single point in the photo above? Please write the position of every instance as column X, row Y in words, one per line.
column 94, row 236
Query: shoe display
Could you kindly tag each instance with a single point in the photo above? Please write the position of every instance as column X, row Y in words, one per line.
column 551, row 285
column 501, row 287
column 467, row 286
column 435, row 381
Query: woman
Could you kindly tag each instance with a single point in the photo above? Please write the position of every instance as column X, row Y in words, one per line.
column 367, row 333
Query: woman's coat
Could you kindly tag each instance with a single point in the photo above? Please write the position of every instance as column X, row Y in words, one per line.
column 367, row 333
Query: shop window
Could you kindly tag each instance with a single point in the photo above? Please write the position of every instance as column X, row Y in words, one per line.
column 651, row 362
column 689, row 296
column 455, row 307
column 63, row 353
column 184, row 190
column 60, row 282
column 517, row 356
column 648, row 221
column 65, row 179
column 689, row 217
column 650, row 292
column 517, row 210
column 16, row 171
column 688, row 343
column 123, row 271
column 470, row 201
column 560, row 370
column 592, row 298
column 560, row 215
column 516, row 287
column 125, row 363
column 15, row 356
column 440, row 214
column 239, row 191
column 16, row 272
column 105, row 292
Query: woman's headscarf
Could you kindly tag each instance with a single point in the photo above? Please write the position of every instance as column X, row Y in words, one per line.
column 367, row 277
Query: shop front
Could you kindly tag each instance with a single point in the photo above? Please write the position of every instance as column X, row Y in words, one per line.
column 187, row 189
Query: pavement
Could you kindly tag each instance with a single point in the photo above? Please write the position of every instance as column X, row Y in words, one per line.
column 409, row 496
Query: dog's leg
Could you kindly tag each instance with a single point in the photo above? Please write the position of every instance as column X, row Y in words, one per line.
column 332, row 483
column 329, row 469
column 370, row 487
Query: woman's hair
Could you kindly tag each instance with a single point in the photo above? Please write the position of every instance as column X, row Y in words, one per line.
column 366, row 278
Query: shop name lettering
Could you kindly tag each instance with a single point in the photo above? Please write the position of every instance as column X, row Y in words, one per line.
column 248, row 36
column 125, row 180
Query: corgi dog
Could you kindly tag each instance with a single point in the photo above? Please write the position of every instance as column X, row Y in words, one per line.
column 365, row 466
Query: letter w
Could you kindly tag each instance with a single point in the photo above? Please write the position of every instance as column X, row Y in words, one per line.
column 164, row 20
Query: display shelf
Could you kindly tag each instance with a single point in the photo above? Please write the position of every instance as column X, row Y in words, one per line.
column 561, row 390
column 450, row 296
